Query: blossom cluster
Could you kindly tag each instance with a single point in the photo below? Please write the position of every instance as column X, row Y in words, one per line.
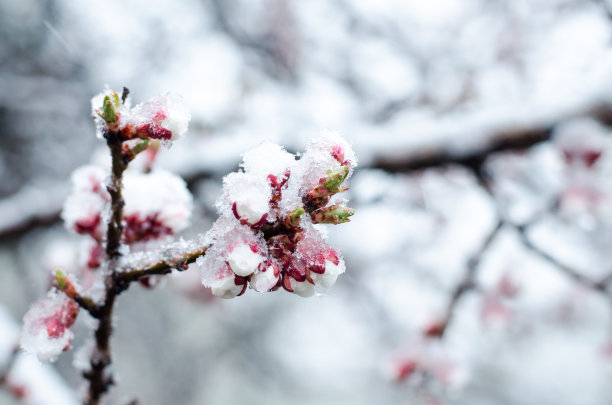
column 155, row 206
column 268, row 234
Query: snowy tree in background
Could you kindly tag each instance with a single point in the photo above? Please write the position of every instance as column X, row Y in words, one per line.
column 269, row 234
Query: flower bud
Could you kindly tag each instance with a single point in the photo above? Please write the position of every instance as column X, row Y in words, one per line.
column 46, row 326
column 250, row 214
column 110, row 108
column 243, row 259
column 304, row 288
column 334, row 214
column 293, row 218
column 266, row 277
column 227, row 288
column 64, row 284
column 328, row 186
column 164, row 117
column 328, row 278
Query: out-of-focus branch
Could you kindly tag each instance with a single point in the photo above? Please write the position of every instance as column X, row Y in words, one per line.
column 503, row 141
column 31, row 207
column 598, row 286
column 509, row 140
column 466, row 284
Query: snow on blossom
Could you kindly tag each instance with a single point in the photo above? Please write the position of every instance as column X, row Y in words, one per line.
column 248, row 197
column 46, row 326
column 164, row 117
column 267, row 159
column 266, row 236
column 328, row 158
column 157, row 204
column 83, row 208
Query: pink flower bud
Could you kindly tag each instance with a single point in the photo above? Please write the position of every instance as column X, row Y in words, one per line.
column 304, row 288
column 249, row 214
column 46, row 326
column 138, row 229
column 163, row 117
column 266, row 277
column 328, row 278
column 243, row 259
column 337, row 152
column 227, row 285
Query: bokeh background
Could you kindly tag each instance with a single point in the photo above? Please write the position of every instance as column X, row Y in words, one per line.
column 482, row 129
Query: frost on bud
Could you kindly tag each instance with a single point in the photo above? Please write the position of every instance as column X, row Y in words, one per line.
column 157, row 205
column 227, row 284
column 249, row 198
column 328, row 278
column 164, row 117
column 46, row 326
column 82, row 209
column 304, row 288
column 334, row 214
column 243, row 259
column 266, row 160
column 266, row 277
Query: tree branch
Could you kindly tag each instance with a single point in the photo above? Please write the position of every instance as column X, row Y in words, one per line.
column 163, row 267
column 99, row 376
column 510, row 140
column 466, row 284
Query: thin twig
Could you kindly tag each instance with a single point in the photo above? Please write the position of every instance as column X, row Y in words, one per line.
column 163, row 267
column 466, row 284
column 599, row 286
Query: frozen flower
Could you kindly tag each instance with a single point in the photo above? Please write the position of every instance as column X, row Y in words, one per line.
column 83, row 208
column 265, row 233
column 228, row 285
column 249, row 198
column 164, row 117
column 266, row 277
column 46, row 326
column 157, row 204
column 244, row 259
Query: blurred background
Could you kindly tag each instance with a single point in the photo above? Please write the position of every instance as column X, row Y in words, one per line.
column 478, row 263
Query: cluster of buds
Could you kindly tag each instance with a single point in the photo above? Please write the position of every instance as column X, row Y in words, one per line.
column 157, row 206
column 46, row 326
column 267, row 236
column 164, row 117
